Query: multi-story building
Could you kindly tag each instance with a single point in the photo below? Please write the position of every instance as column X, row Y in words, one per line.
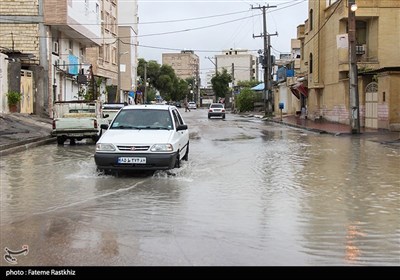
column 104, row 58
column 186, row 63
column 326, row 62
column 240, row 62
column 45, row 42
column 128, row 54
column 72, row 27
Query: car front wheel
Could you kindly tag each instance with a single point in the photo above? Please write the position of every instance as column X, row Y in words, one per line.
column 186, row 156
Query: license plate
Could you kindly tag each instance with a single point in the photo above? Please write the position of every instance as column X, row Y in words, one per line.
column 130, row 160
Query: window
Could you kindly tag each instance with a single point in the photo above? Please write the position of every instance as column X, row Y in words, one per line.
column 311, row 20
column 330, row 2
column 114, row 55
column 361, row 32
column 177, row 118
column 311, row 63
column 107, row 53
column 107, row 22
column 101, row 52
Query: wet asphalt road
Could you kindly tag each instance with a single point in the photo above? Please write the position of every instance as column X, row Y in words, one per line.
column 252, row 193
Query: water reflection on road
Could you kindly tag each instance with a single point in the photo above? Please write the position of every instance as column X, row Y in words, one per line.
column 252, row 193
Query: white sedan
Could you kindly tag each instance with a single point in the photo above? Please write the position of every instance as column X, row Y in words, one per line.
column 192, row 105
column 143, row 137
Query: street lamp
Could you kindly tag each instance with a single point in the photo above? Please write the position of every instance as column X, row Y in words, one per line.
column 353, row 71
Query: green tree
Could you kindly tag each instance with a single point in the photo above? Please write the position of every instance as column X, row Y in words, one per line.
column 165, row 81
column 247, row 84
column 245, row 100
column 180, row 90
column 220, row 83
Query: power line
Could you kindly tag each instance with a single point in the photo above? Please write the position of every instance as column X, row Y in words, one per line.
column 189, row 19
column 196, row 28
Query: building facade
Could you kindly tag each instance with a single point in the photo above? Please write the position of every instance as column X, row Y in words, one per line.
column 104, row 58
column 325, row 61
column 45, row 42
column 128, row 50
column 186, row 63
column 240, row 62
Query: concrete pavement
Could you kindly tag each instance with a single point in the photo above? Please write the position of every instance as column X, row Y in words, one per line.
column 19, row 131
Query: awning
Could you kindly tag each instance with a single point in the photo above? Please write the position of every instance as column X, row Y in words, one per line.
column 295, row 92
column 298, row 89
column 258, row 87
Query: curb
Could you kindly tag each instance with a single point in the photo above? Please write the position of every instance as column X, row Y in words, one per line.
column 320, row 131
column 25, row 145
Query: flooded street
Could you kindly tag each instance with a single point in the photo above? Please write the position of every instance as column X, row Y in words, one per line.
column 252, row 193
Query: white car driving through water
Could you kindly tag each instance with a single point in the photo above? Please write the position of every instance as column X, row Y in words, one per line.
column 143, row 137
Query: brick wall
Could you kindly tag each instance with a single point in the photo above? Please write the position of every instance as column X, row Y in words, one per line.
column 25, row 37
column 19, row 8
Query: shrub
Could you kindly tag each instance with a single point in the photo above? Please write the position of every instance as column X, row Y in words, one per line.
column 245, row 100
column 13, row 97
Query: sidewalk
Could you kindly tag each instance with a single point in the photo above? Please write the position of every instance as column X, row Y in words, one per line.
column 19, row 132
column 324, row 127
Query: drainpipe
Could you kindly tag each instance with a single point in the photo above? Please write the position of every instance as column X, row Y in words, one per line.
column 46, row 105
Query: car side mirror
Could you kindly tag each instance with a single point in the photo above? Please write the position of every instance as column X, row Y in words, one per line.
column 104, row 126
column 182, row 127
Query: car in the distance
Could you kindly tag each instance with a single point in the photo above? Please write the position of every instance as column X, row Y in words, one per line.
column 216, row 110
column 143, row 137
column 192, row 105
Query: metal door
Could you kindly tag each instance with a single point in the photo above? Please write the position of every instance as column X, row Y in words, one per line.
column 371, row 105
column 26, row 92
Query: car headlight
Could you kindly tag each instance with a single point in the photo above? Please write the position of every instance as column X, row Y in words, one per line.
column 162, row 148
column 104, row 147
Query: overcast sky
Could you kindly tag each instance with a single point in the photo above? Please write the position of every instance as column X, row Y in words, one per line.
column 209, row 26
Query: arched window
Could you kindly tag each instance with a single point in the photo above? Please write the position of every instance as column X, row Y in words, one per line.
column 311, row 63
column 311, row 19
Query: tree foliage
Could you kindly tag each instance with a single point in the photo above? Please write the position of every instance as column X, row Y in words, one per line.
column 163, row 79
column 245, row 100
column 247, row 84
column 220, row 83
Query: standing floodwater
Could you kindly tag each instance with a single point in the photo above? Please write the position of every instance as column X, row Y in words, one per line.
column 252, row 193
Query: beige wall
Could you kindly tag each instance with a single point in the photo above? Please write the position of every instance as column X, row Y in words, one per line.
column 25, row 38
column 25, row 7
column 389, row 87
column 104, row 58
column 328, row 84
column 186, row 65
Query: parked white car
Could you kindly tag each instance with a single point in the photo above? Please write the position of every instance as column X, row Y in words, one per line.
column 143, row 137
column 110, row 110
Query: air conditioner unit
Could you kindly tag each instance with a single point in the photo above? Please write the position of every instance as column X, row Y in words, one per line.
column 60, row 65
column 361, row 49
column 55, row 48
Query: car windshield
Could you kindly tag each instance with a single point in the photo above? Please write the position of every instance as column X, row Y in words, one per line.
column 217, row 106
column 142, row 119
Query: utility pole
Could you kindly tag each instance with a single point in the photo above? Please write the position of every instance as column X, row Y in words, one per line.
column 215, row 64
column 233, row 74
column 145, row 84
column 118, row 93
column 266, row 61
column 353, row 71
